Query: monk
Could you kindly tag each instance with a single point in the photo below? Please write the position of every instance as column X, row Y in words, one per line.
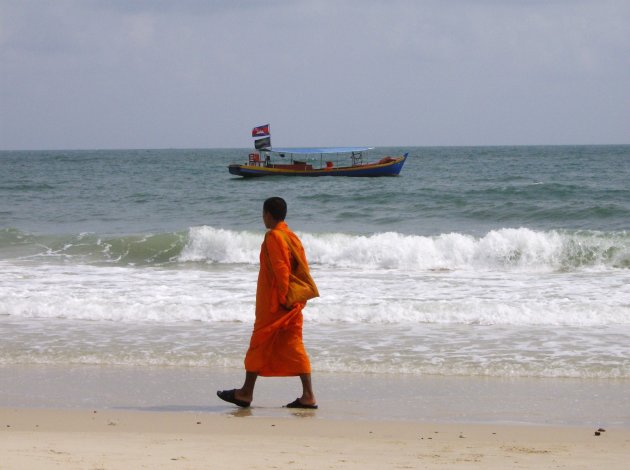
column 276, row 348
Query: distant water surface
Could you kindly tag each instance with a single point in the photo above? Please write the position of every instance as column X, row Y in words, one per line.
column 482, row 261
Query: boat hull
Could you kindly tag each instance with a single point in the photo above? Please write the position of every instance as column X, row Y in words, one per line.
column 390, row 168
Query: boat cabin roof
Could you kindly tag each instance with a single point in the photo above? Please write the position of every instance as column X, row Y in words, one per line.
column 311, row 150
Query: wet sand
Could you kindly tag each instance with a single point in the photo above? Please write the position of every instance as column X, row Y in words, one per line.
column 564, row 402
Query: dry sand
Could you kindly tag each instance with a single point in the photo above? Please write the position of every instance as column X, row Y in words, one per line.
column 33, row 438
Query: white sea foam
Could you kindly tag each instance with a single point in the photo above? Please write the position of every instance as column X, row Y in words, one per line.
column 368, row 296
column 512, row 303
column 512, row 249
column 221, row 246
column 404, row 349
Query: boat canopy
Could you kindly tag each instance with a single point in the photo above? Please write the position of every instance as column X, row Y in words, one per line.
column 312, row 150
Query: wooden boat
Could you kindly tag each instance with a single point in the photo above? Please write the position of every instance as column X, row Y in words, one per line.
column 316, row 162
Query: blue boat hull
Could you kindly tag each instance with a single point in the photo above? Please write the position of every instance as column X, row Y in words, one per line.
column 391, row 168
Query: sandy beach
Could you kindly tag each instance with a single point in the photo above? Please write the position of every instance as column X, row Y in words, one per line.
column 122, row 418
column 106, row 439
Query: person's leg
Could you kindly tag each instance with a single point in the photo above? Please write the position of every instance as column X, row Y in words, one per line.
column 246, row 392
column 308, row 397
column 241, row 396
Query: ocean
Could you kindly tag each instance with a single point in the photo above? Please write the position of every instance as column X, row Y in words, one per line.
column 475, row 261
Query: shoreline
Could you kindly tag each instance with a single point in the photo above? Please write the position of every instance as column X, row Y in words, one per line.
column 115, row 439
column 341, row 396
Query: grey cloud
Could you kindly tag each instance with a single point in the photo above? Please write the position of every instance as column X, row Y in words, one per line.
column 200, row 74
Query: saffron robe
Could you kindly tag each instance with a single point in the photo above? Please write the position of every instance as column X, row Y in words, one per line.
column 276, row 348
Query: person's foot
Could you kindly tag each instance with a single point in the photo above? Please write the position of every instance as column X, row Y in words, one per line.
column 232, row 396
column 298, row 403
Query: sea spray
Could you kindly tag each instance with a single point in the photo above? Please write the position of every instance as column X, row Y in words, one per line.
column 221, row 246
column 508, row 248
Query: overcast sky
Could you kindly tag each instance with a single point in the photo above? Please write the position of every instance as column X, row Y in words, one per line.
column 201, row 74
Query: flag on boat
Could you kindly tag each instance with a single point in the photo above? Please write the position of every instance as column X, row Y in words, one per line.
column 260, row 131
column 264, row 143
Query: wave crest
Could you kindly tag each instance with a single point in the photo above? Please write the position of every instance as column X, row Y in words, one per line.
column 221, row 246
column 507, row 248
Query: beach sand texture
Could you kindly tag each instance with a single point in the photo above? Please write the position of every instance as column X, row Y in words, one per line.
column 105, row 439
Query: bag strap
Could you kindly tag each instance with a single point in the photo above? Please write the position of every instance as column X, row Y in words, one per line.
column 306, row 272
column 291, row 250
column 271, row 271
column 306, row 276
column 296, row 258
column 267, row 257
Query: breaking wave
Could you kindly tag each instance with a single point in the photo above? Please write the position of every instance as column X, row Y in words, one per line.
column 498, row 249
column 508, row 248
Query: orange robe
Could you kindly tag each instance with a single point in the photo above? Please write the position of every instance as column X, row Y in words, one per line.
column 276, row 348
